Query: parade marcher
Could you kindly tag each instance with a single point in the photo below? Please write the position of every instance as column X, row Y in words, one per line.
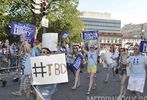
column 13, row 55
column 91, row 67
column 115, row 55
column 109, row 62
column 78, row 58
column 122, row 71
column 25, row 78
column 45, row 90
column 137, row 77
column 102, row 56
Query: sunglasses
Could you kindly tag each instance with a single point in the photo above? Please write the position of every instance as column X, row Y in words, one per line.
column 44, row 52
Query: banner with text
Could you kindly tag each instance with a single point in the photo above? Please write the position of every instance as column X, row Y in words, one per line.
column 49, row 69
column 90, row 35
column 143, row 46
column 77, row 62
column 26, row 31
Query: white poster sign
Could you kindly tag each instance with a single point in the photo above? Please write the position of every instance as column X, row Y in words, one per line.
column 49, row 69
column 44, row 22
column 50, row 41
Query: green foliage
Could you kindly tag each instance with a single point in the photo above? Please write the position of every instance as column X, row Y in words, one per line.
column 62, row 14
column 66, row 19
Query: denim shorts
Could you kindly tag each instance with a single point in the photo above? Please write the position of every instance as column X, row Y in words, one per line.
column 122, row 69
column 110, row 66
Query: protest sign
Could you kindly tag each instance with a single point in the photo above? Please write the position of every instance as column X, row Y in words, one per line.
column 143, row 46
column 77, row 62
column 90, row 35
column 49, row 69
column 65, row 34
column 26, row 31
column 50, row 41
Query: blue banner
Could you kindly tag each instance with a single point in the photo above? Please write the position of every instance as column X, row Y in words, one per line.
column 26, row 31
column 77, row 62
column 90, row 35
column 65, row 35
column 143, row 46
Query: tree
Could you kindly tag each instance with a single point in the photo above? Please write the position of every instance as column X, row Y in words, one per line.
column 62, row 14
column 66, row 19
column 4, row 20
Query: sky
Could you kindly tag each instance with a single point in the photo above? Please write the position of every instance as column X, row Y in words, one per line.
column 128, row 11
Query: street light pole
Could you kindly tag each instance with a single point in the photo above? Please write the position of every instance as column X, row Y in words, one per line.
column 142, row 32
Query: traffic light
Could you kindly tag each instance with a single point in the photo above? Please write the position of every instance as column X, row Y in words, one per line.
column 43, row 7
column 36, row 6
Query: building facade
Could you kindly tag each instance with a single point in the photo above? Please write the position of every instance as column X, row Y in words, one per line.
column 110, row 32
column 100, row 21
column 135, row 29
column 130, row 40
column 118, row 39
column 109, row 38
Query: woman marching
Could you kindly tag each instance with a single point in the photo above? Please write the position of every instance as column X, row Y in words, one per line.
column 91, row 67
column 122, row 72
column 78, row 59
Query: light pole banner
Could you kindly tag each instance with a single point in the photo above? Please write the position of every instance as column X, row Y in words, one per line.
column 49, row 69
column 143, row 46
column 44, row 22
column 90, row 35
column 26, row 31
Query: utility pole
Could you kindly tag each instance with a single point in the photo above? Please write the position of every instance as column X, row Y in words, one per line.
column 142, row 32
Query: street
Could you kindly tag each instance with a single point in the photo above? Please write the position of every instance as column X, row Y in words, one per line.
column 64, row 91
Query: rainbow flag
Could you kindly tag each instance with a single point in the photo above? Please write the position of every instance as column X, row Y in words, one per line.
column 39, row 47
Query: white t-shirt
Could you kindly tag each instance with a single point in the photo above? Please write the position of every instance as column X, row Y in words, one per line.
column 137, row 66
column 115, row 55
column 108, row 58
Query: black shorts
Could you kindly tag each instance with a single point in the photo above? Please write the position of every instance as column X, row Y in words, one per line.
column 122, row 69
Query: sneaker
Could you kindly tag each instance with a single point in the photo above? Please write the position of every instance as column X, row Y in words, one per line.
column 18, row 93
column 105, row 81
column 123, row 95
column 119, row 97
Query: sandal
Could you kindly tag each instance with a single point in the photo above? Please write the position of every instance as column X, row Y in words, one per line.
column 78, row 86
column 105, row 81
column 88, row 92
column 73, row 88
column 94, row 87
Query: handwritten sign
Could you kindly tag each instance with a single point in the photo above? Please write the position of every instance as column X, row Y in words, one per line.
column 47, row 70
column 50, row 41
